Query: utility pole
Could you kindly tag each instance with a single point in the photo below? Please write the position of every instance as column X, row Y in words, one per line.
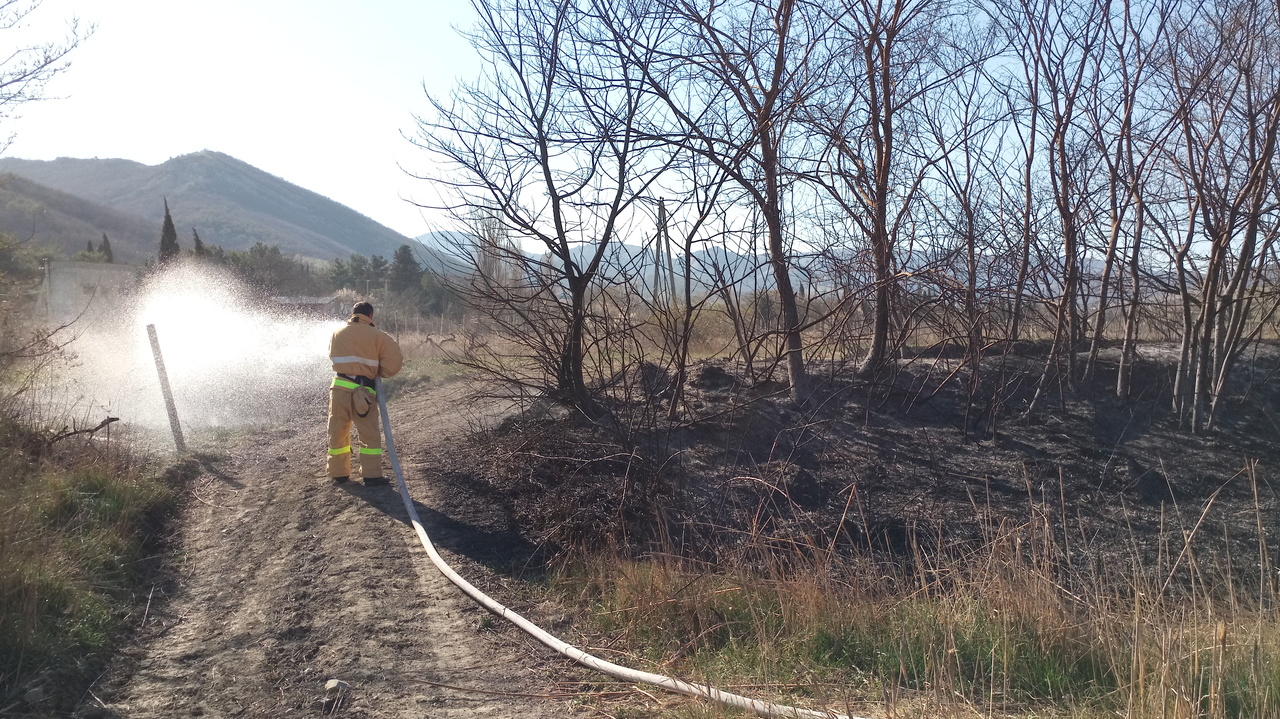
column 664, row 288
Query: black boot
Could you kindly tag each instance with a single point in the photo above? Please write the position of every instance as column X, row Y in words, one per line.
column 340, row 480
column 376, row 481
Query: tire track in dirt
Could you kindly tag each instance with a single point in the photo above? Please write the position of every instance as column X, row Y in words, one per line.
column 286, row 581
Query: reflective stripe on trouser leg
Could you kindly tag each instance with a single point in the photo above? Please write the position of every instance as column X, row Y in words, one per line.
column 370, row 431
column 370, row 462
column 339, row 463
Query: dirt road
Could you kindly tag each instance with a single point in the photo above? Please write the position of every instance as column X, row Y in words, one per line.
column 286, row 581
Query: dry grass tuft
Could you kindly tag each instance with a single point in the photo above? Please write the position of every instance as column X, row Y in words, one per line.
column 1018, row 624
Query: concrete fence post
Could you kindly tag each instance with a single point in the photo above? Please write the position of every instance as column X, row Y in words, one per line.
column 168, row 394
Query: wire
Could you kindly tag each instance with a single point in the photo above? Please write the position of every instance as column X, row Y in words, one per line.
column 703, row 691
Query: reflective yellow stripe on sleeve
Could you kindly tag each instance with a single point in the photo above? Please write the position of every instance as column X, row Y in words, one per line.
column 340, row 450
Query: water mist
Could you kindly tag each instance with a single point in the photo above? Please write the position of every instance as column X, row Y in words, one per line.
column 232, row 362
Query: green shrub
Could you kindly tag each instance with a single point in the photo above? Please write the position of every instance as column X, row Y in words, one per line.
column 70, row 546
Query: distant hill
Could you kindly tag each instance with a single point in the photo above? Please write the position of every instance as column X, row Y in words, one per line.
column 229, row 202
column 443, row 251
column 31, row 212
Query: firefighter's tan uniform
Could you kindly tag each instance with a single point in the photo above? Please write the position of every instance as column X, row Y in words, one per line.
column 359, row 352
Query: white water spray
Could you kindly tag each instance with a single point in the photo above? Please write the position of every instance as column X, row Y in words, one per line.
column 232, row 362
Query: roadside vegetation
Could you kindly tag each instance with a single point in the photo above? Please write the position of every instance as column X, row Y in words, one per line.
column 1004, row 628
column 82, row 519
column 82, row 534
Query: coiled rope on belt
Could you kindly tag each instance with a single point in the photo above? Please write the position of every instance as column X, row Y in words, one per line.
column 762, row 708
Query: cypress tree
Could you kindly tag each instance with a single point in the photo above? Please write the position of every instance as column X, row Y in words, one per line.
column 105, row 248
column 88, row 246
column 168, row 238
column 195, row 238
column 405, row 273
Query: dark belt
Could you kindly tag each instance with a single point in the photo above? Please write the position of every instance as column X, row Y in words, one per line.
column 362, row 381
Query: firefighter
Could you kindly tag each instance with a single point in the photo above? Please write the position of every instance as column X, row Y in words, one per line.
column 360, row 352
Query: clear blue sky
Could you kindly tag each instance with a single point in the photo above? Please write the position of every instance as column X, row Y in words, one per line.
column 318, row 92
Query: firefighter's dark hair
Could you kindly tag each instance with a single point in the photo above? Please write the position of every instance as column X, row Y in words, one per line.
column 363, row 308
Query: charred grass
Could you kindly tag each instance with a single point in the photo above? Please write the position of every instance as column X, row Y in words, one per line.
column 885, row 555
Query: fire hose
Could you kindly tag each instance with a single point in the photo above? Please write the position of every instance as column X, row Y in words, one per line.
column 761, row 708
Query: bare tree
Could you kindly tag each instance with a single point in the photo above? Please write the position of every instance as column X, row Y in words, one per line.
column 1225, row 66
column 731, row 77
column 895, row 53
column 24, row 74
column 700, row 223
column 736, row 282
column 546, row 145
column 963, row 124
column 26, row 71
column 1138, row 36
column 1057, row 44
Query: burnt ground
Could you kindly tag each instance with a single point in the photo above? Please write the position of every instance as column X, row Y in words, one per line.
column 885, row 467
column 282, row 581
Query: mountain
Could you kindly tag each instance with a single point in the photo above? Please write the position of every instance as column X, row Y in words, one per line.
column 444, row 251
column 31, row 212
column 229, row 202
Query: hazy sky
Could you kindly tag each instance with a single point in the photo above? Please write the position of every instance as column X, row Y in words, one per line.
column 318, row 92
